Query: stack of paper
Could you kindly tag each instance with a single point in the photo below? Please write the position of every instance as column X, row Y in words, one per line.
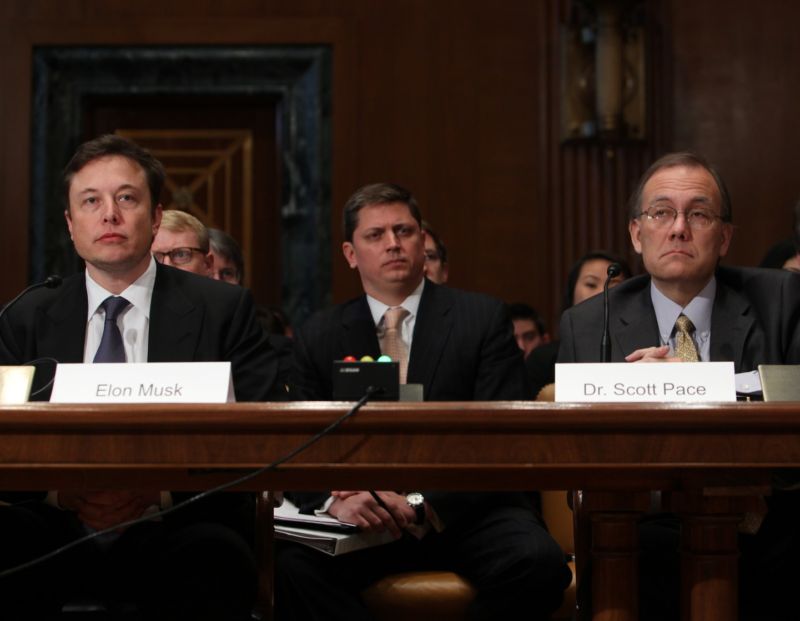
column 323, row 532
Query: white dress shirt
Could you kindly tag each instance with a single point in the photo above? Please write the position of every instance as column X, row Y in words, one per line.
column 411, row 304
column 133, row 322
column 698, row 310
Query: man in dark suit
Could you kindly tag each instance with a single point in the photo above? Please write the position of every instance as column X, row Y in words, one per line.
column 460, row 347
column 688, row 307
column 755, row 320
column 195, row 563
column 680, row 223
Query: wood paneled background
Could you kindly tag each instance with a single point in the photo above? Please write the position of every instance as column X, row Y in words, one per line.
column 458, row 100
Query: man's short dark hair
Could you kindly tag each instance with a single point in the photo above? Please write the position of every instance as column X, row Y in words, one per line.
column 228, row 248
column 376, row 194
column 689, row 160
column 109, row 145
column 441, row 249
column 519, row 310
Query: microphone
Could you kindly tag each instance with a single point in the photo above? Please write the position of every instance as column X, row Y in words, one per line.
column 51, row 282
column 613, row 271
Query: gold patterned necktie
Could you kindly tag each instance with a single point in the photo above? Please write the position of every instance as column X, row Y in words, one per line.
column 391, row 341
column 684, row 343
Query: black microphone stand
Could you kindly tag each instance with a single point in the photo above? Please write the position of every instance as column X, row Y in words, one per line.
column 613, row 271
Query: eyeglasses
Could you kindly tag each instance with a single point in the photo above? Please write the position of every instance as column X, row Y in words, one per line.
column 696, row 217
column 178, row 256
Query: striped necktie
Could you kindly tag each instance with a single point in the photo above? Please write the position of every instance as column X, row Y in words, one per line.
column 391, row 341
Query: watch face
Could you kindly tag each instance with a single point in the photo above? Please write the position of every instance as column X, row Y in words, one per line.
column 414, row 499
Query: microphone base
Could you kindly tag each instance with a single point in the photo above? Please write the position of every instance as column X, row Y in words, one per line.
column 351, row 380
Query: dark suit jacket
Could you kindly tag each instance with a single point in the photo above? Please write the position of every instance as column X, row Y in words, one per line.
column 541, row 366
column 192, row 319
column 755, row 320
column 463, row 349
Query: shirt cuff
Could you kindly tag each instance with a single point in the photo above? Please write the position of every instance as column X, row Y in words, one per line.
column 324, row 508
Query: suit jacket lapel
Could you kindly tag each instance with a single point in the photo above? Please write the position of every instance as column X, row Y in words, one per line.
column 358, row 336
column 636, row 326
column 175, row 321
column 431, row 331
column 730, row 325
column 64, row 333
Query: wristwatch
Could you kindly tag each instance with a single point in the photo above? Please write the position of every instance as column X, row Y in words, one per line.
column 416, row 501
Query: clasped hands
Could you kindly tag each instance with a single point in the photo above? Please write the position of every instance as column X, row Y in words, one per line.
column 361, row 509
column 652, row 354
column 103, row 509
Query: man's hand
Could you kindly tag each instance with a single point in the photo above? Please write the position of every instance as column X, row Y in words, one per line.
column 101, row 510
column 361, row 509
column 652, row 354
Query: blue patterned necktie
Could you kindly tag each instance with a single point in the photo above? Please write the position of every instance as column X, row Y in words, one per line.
column 111, row 347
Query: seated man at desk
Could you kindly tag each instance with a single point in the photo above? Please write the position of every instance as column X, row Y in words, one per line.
column 460, row 347
column 689, row 308
column 196, row 563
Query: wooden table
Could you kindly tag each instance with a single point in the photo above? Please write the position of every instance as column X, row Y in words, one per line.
column 712, row 459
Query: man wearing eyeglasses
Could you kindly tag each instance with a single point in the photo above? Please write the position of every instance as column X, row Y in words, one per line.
column 182, row 241
column 689, row 308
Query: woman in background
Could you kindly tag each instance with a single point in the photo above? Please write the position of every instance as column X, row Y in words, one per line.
column 586, row 279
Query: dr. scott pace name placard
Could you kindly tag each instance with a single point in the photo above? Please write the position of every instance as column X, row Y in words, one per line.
column 651, row 381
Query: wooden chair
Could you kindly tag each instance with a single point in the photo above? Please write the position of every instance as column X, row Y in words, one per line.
column 445, row 596
column 440, row 595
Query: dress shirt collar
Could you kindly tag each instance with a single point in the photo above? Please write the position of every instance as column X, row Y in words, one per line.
column 698, row 310
column 139, row 293
column 411, row 304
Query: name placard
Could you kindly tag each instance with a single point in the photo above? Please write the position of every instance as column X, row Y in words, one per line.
column 15, row 384
column 143, row 382
column 694, row 382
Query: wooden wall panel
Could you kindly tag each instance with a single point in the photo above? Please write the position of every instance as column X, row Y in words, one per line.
column 735, row 100
column 588, row 182
column 458, row 100
column 440, row 96
column 449, row 108
column 14, row 185
column 190, row 30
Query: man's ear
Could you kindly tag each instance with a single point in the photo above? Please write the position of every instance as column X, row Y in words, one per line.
column 727, row 236
column 350, row 255
column 635, row 230
column 209, row 260
column 157, row 213
column 69, row 222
